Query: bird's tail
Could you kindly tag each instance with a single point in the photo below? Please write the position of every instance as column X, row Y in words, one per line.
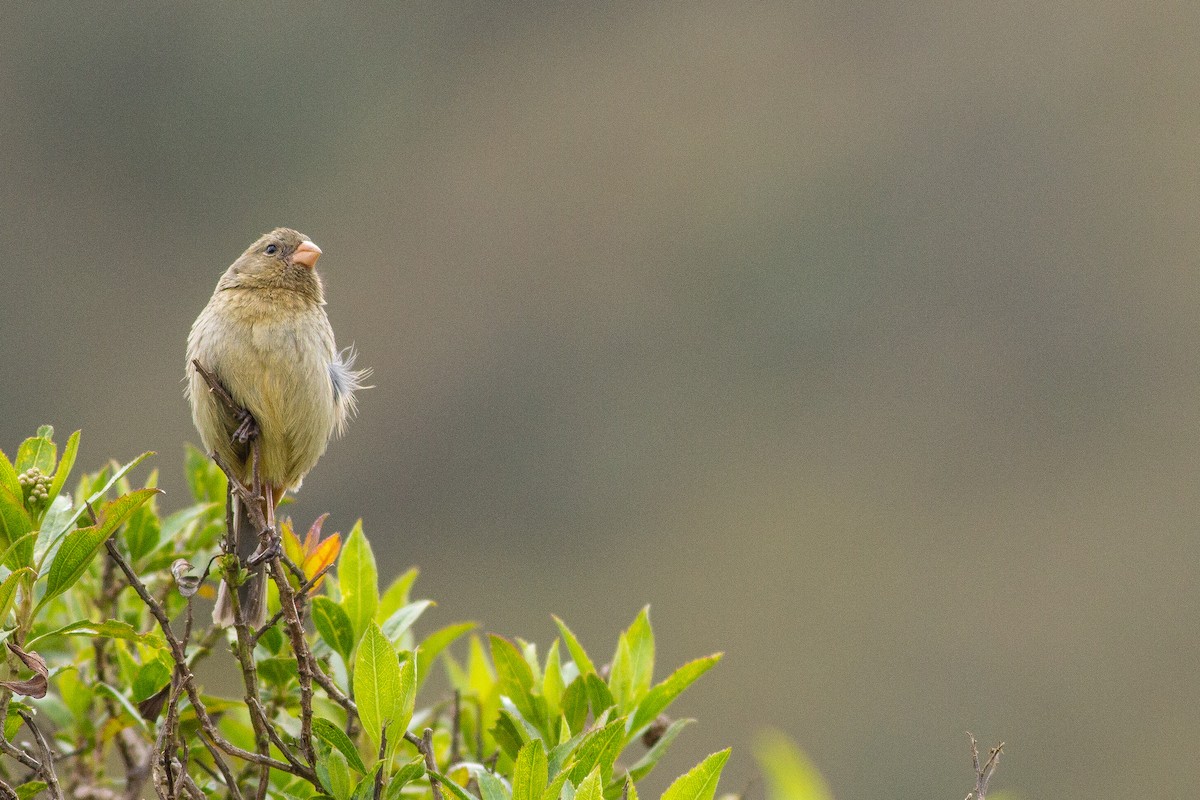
column 252, row 595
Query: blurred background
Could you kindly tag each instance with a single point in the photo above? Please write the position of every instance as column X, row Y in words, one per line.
column 858, row 339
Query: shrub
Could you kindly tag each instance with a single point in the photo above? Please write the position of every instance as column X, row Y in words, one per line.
column 97, row 606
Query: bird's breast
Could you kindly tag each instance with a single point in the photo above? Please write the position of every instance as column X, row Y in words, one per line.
column 274, row 360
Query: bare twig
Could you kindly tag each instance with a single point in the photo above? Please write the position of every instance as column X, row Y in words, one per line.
column 478, row 728
column 984, row 772
column 338, row 696
column 455, row 722
column 216, row 387
column 47, row 755
column 135, row 756
column 292, row 567
column 10, row 749
column 424, row 746
column 208, row 726
column 304, row 657
column 300, row 594
column 244, row 651
column 231, row 784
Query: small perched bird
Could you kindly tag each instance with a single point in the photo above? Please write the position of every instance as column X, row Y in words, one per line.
column 265, row 337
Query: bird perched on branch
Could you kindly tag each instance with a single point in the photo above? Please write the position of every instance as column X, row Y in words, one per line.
column 265, row 337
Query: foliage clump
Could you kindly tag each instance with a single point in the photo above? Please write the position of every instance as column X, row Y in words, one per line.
column 97, row 596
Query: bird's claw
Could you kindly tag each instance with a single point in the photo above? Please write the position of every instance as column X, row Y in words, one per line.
column 247, row 428
column 269, row 546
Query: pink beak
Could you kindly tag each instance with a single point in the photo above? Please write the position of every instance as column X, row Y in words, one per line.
column 307, row 254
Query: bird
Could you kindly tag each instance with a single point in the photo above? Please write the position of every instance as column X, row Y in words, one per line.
column 265, row 337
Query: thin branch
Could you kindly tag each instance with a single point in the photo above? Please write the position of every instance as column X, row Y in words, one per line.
column 47, row 756
column 189, row 680
column 424, row 746
column 300, row 595
column 243, row 650
column 455, row 726
column 10, row 749
column 264, row 732
column 7, row 747
column 231, row 784
column 292, row 567
column 304, row 657
column 983, row 774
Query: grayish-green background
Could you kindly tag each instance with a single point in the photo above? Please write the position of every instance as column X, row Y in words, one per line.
column 859, row 339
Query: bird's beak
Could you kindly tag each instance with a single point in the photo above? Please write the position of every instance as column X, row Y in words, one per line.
column 307, row 254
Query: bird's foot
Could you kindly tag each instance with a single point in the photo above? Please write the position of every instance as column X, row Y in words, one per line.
column 247, row 428
column 269, row 546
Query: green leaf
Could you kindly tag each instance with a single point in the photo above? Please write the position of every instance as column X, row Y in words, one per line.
column 491, row 787
column 512, row 732
column 335, row 737
column 599, row 696
column 662, row 695
column 272, row 639
column 335, row 775
column 174, row 523
column 591, row 787
column 560, row 754
column 366, row 787
column 80, row 546
column 516, row 682
column 278, row 671
column 575, row 703
column 110, row 629
column 552, row 679
column 8, row 592
column 93, row 498
column 407, row 702
column 788, row 772
column 406, row 774
column 30, row 790
column 599, row 749
column 578, row 654
column 396, row 595
column 620, row 676
column 700, row 783
column 434, row 644
column 376, row 682
column 8, row 476
column 530, row 772
column 123, row 702
column 554, row 790
column 640, row 637
column 633, row 664
column 77, row 695
column 402, row 619
column 651, row 757
column 204, row 477
column 15, row 523
column 143, row 530
column 334, row 626
column 452, row 787
column 38, row 451
column 384, row 690
column 358, row 579
column 481, row 678
column 151, row 677
column 516, row 678
column 63, row 470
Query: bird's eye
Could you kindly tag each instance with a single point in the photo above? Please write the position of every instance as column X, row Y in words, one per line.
column 271, row 250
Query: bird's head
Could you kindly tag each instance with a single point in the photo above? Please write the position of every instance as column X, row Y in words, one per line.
column 281, row 259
